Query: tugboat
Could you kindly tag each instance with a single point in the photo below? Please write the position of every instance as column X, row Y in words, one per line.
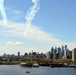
column 56, row 65
column 26, row 64
column 35, row 65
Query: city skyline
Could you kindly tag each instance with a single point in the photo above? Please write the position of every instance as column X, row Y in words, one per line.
column 52, row 24
column 52, row 50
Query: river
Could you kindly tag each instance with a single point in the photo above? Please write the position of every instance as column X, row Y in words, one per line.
column 18, row 70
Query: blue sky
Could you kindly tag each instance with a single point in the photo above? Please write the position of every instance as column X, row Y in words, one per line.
column 53, row 23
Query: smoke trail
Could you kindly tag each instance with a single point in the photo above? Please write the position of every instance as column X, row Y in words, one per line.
column 3, row 12
column 30, row 15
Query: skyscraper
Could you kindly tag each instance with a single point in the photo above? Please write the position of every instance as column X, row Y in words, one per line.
column 52, row 50
column 59, row 52
column 55, row 50
column 66, row 48
column 62, row 50
column 74, row 54
column 18, row 54
column 65, row 54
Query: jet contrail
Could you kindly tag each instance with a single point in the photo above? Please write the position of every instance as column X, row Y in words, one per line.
column 2, row 9
column 30, row 15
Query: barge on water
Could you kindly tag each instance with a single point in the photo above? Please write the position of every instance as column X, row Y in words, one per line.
column 26, row 64
column 62, row 65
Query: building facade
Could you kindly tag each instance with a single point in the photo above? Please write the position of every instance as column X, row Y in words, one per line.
column 74, row 54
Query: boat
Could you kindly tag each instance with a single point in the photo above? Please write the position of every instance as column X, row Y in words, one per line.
column 26, row 64
column 35, row 65
column 44, row 64
column 56, row 65
column 72, row 65
column 27, row 71
column 63, row 65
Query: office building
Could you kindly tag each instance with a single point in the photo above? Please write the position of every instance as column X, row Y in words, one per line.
column 65, row 54
column 74, row 54
column 62, row 50
column 59, row 52
column 66, row 48
column 48, row 55
column 52, row 50
column 18, row 54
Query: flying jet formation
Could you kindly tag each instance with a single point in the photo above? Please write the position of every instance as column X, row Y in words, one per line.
column 30, row 15
column 3, row 13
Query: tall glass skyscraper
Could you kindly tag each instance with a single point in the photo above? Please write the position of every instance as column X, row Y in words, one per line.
column 66, row 47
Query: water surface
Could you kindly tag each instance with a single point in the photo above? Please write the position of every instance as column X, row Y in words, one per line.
column 18, row 70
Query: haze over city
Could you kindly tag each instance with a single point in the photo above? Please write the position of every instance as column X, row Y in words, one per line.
column 37, row 25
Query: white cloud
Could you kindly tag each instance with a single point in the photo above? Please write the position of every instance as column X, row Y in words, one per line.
column 14, row 43
column 14, row 13
column 19, row 43
column 17, row 12
column 35, row 34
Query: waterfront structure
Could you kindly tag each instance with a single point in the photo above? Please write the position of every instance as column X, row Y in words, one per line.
column 74, row 54
column 48, row 55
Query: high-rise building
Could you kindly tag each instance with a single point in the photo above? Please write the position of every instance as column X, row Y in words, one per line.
column 55, row 50
column 65, row 54
column 66, row 48
column 48, row 54
column 69, row 55
column 18, row 54
column 62, row 50
column 74, row 54
column 52, row 50
column 59, row 52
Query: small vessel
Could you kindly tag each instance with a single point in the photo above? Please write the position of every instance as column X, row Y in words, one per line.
column 72, row 65
column 27, row 71
column 26, row 64
column 56, row 65
column 35, row 65
column 44, row 64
